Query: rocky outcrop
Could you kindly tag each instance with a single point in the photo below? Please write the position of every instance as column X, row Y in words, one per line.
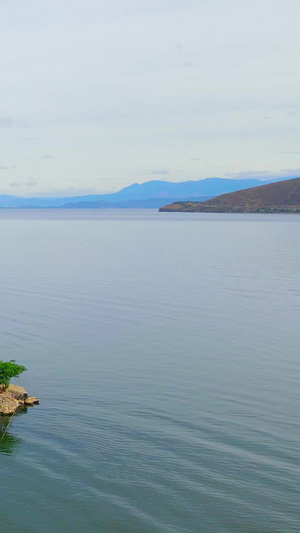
column 8, row 404
column 15, row 398
column 18, row 392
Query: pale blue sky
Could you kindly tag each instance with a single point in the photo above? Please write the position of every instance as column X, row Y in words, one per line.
column 98, row 94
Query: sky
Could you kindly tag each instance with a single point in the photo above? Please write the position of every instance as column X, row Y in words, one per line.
column 98, row 94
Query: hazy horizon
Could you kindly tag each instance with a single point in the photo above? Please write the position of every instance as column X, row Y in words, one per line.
column 70, row 193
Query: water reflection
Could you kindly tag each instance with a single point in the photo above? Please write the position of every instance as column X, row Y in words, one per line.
column 9, row 443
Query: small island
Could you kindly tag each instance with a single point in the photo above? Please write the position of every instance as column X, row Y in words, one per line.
column 12, row 397
column 279, row 197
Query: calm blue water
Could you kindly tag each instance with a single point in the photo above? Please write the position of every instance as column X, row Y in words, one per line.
column 165, row 352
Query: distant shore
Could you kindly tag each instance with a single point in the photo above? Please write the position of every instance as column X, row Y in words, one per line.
column 199, row 207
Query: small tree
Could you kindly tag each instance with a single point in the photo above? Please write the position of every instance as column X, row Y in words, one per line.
column 9, row 370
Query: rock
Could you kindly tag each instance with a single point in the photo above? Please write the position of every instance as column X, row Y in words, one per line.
column 8, row 404
column 31, row 400
column 14, row 398
column 18, row 392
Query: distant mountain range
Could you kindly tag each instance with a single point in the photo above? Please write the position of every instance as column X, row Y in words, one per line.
column 152, row 194
column 279, row 197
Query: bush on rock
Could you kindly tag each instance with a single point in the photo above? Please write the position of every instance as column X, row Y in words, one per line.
column 9, row 370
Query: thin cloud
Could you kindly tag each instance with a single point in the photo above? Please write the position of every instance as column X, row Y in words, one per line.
column 246, row 174
column 46, row 156
column 160, row 171
column 265, row 174
column 295, row 171
column 72, row 191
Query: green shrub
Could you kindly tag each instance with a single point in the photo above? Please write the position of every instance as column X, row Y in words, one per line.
column 9, row 370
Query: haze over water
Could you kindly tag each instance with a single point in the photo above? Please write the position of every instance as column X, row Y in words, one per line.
column 164, row 349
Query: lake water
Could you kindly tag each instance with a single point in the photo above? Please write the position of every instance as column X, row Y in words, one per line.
column 164, row 349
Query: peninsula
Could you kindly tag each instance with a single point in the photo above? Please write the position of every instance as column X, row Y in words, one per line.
column 279, row 197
